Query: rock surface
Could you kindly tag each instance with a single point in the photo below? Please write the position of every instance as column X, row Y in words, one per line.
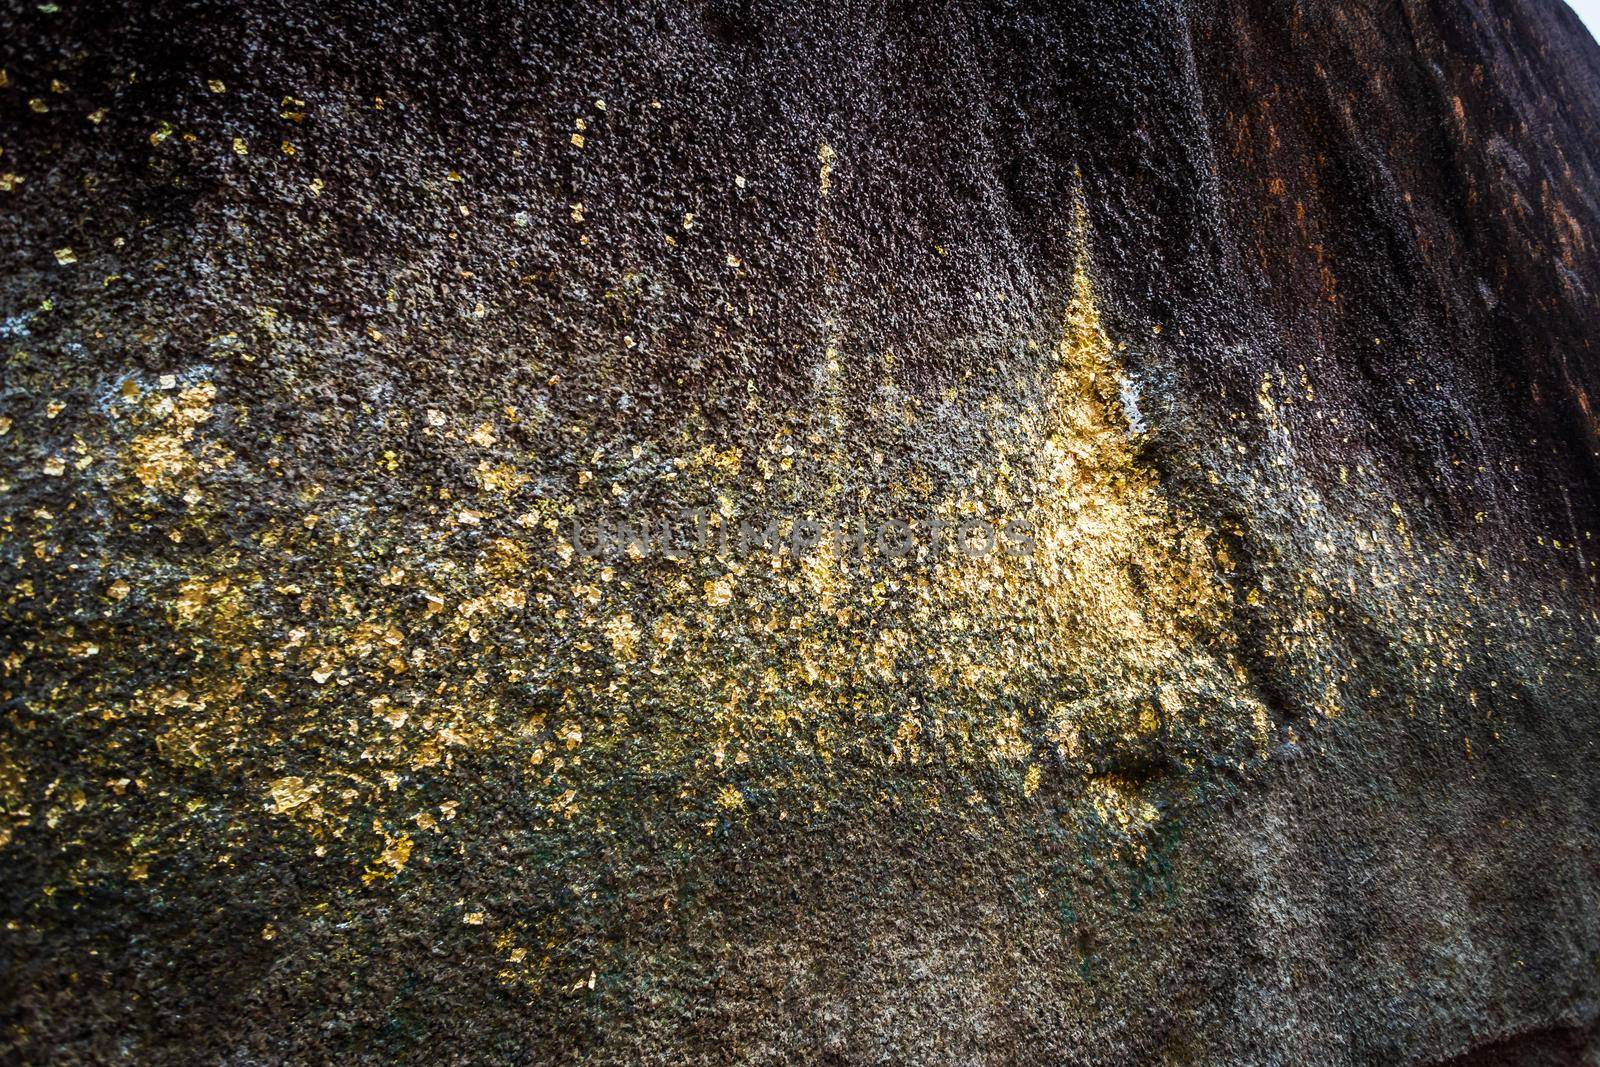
column 1251, row 719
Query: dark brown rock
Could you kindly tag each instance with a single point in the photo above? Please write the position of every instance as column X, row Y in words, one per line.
column 333, row 334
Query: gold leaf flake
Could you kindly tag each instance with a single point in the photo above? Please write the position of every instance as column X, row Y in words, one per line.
column 719, row 591
column 396, row 852
column 624, row 637
column 291, row 793
column 825, row 157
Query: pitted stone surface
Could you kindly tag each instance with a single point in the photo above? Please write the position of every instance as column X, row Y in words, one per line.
column 356, row 355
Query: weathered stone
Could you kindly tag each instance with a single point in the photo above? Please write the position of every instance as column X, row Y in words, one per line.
column 1250, row 718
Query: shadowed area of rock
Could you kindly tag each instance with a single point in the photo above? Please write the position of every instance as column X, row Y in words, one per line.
column 772, row 531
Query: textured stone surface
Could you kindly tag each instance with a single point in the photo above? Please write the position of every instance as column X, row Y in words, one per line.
column 327, row 326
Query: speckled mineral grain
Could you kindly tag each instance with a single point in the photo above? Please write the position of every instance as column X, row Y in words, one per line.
column 776, row 531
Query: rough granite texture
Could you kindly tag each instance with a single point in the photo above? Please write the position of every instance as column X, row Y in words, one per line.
column 327, row 328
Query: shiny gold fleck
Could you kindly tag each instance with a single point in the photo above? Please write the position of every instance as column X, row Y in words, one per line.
column 825, row 159
column 291, row 793
column 719, row 591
